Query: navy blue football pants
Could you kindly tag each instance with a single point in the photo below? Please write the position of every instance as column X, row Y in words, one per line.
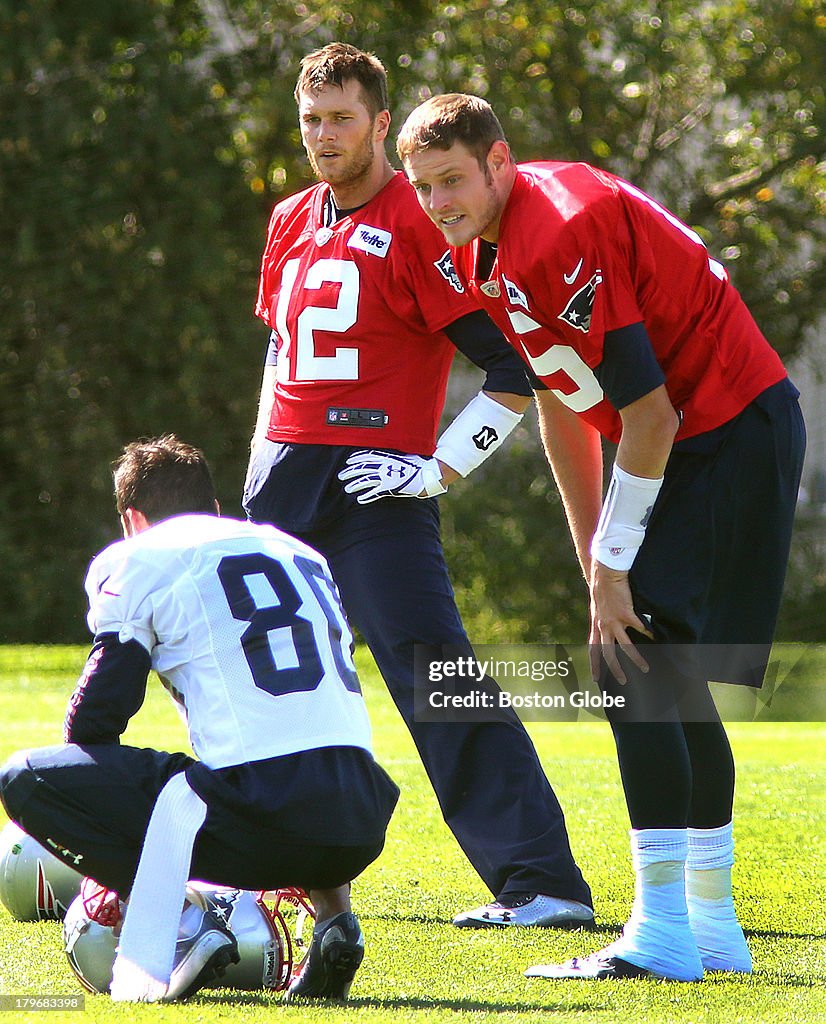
column 387, row 560
column 91, row 806
column 710, row 573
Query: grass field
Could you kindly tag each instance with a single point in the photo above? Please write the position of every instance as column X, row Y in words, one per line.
column 419, row 968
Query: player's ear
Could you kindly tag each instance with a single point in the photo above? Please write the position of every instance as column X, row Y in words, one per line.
column 381, row 125
column 132, row 521
column 499, row 156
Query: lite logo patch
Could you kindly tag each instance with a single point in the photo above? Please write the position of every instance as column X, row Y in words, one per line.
column 370, row 239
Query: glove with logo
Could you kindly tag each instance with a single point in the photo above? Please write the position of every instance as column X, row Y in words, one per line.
column 371, row 474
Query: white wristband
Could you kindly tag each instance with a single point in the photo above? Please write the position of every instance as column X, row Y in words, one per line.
column 432, row 478
column 478, row 430
column 625, row 512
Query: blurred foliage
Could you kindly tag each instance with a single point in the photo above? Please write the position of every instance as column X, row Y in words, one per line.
column 803, row 612
column 142, row 144
column 510, row 553
column 129, row 244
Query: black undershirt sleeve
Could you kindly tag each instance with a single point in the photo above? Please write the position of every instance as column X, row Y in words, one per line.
column 478, row 338
column 629, row 369
column 109, row 692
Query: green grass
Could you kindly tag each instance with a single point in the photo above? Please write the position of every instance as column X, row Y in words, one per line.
column 421, row 969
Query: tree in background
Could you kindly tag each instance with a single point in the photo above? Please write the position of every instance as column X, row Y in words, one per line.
column 129, row 239
column 142, row 145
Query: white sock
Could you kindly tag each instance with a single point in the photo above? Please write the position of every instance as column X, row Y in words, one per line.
column 711, row 910
column 657, row 935
column 190, row 920
column 146, row 952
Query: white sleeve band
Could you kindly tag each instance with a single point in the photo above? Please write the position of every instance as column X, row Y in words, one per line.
column 625, row 513
column 478, row 430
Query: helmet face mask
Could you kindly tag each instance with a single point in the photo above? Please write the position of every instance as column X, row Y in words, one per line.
column 92, row 926
column 35, row 885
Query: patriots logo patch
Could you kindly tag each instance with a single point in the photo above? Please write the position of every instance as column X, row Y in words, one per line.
column 578, row 311
column 222, row 904
column 49, row 907
column 445, row 267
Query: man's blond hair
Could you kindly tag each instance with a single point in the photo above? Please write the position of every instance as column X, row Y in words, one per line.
column 441, row 121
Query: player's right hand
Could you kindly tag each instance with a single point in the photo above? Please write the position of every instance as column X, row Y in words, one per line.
column 372, row 474
column 612, row 614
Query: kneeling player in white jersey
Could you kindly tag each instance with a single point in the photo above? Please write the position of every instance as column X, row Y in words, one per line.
column 244, row 626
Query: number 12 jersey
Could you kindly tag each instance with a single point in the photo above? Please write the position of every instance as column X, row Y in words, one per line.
column 358, row 308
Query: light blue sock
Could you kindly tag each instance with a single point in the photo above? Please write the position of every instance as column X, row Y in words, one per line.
column 658, row 935
column 711, row 910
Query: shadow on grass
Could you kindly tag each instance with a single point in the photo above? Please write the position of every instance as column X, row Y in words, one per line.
column 427, row 919
column 474, row 1005
column 599, row 925
column 769, row 933
column 238, row 998
column 773, row 979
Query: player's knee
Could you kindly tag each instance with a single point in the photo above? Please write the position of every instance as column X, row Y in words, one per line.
column 12, row 773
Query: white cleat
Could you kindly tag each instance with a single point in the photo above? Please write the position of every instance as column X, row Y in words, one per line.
column 531, row 910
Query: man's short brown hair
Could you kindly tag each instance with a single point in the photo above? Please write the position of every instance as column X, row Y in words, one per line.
column 338, row 63
column 163, row 477
column 441, row 121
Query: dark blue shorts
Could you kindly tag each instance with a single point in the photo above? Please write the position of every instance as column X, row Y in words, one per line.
column 712, row 567
column 314, row 819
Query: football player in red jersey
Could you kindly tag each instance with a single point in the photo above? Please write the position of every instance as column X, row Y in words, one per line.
column 639, row 336
column 366, row 313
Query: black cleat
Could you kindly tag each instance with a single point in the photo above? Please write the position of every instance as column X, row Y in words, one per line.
column 336, row 952
column 606, row 964
column 600, row 965
column 201, row 958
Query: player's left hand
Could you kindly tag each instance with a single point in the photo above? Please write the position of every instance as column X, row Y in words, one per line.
column 612, row 614
column 371, row 474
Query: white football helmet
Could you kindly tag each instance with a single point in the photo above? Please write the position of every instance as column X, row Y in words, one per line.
column 266, row 948
column 35, row 885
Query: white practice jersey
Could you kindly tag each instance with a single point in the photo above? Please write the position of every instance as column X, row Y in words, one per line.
column 244, row 625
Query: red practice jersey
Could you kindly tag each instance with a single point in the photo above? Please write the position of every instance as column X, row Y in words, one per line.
column 358, row 307
column 580, row 253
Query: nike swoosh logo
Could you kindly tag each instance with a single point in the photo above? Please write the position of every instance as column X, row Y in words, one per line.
column 570, row 278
